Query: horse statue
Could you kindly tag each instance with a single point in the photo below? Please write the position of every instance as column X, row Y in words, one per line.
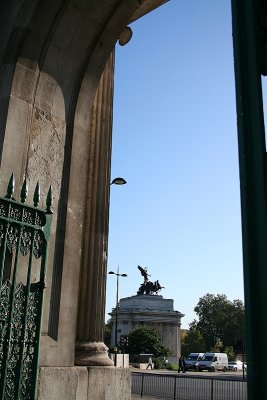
column 157, row 287
column 148, row 287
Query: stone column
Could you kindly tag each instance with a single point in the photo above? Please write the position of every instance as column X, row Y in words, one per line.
column 90, row 349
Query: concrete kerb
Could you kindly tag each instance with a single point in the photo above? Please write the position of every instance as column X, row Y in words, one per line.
column 137, row 396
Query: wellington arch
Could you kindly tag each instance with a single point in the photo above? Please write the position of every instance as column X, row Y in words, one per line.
column 56, row 90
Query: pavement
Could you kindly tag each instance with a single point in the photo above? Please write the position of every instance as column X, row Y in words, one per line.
column 137, row 396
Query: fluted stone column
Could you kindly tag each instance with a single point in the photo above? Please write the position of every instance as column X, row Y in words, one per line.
column 90, row 349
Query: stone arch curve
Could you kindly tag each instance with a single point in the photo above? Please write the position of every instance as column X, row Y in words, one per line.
column 53, row 53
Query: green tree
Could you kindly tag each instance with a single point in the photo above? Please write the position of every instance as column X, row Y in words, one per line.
column 192, row 342
column 229, row 350
column 107, row 333
column 146, row 340
column 218, row 346
column 219, row 319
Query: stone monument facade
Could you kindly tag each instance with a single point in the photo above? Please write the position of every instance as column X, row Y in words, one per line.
column 150, row 309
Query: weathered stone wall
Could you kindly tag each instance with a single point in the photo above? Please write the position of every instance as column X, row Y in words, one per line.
column 54, row 57
column 55, row 127
column 81, row 383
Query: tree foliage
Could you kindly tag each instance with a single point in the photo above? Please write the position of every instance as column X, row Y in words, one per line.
column 218, row 346
column 221, row 322
column 229, row 350
column 146, row 340
column 192, row 342
column 107, row 333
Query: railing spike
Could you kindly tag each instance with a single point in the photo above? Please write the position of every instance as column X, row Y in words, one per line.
column 10, row 187
column 36, row 196
column 49, row 201
column 24, row 191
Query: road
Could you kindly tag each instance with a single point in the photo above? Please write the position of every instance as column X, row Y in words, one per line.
column 234, row 375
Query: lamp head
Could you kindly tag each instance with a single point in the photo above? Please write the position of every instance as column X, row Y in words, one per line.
column 118, row 181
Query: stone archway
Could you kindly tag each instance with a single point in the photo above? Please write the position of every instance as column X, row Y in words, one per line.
column 55, row 126
column 62, row 54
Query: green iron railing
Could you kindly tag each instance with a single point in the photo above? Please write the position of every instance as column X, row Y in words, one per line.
column 24, row 234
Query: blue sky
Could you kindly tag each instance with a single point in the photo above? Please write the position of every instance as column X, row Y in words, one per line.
column 175, row 142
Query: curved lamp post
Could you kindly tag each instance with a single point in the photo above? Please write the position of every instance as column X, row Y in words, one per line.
column 117, row 309
column 117, row 181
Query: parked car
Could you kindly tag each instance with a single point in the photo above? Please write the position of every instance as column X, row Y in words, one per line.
column 236, row 366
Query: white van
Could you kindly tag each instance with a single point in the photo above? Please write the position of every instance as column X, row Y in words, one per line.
column 213, row 362
column 192, row 359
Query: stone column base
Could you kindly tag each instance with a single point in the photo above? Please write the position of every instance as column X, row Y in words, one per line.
column 92, row 354
column 84, row 383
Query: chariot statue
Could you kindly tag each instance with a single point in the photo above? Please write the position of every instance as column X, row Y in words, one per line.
column 148, row 287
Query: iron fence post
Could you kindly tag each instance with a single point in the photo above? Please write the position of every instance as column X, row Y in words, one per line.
column 174, row 390
column 142, row 385
column 211, row 390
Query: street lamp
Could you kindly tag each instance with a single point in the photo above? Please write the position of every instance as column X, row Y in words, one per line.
column 117, row 309
column 118, row 181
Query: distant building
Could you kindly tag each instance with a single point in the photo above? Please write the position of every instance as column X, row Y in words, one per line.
column 153, row 311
